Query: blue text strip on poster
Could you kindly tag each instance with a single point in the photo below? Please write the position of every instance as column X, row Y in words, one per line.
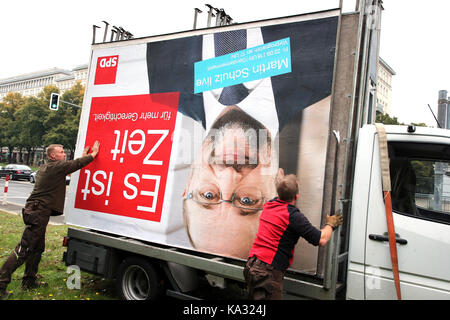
column 267, row 60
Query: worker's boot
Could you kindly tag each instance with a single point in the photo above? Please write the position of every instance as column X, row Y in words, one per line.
column 30, row 284
column 30, row 276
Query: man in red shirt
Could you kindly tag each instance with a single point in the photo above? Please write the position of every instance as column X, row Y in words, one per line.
column 280, row 226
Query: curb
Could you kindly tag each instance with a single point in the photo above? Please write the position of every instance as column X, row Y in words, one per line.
column 19, row 213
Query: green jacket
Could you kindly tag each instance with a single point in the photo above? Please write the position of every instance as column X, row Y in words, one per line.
column 50, row 187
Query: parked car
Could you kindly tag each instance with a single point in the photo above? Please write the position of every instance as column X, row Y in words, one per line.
column 16, row 171
column 33, row 178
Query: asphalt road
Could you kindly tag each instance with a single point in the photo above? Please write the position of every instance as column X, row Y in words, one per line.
column 18, row 192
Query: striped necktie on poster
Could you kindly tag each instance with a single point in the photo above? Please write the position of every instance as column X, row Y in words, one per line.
column 225, row 43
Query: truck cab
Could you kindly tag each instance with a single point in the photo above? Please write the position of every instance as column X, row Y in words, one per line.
column 420, row 188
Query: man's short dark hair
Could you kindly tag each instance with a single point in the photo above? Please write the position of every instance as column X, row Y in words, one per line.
column 287, row 188
column 237, row 118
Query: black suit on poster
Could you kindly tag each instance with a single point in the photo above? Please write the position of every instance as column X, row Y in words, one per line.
column 171, row 69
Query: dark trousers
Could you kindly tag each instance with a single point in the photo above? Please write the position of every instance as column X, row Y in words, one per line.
column 31, row 246
column 264, row 282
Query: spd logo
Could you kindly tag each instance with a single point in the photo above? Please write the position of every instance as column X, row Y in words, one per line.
column 106, row 70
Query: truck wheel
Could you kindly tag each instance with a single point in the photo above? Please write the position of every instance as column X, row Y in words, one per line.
column 137, row 280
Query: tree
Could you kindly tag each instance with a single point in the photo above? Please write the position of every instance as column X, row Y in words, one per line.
column 28, row 123
column 3, row 125
column 30, row 120
column 10, row 127
column 424, row 171
column 384, row 118
column 75, row 94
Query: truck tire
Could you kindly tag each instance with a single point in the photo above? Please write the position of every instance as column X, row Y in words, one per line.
column 137, row 279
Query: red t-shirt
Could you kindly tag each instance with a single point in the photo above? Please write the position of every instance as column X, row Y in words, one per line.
column 280, row 226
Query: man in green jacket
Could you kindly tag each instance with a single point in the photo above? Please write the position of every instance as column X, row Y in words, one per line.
column 46, row 199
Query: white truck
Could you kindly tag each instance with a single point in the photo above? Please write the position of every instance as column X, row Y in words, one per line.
column 168, row 207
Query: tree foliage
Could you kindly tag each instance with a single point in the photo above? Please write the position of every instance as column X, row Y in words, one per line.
column 385, row 118
column 31, row 129
column 10, row 126
column 27, row 122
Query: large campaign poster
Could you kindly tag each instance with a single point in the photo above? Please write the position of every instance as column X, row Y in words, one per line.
column 195, row 129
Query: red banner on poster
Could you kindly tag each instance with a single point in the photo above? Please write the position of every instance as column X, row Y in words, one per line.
column 128, row 177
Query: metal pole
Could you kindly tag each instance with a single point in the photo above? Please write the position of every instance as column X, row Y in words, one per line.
column 438, row 124
column 5, row 192
column 113, row 32
column 71, row 104
column 106, row 30
column 330, row 278
column 442, row 109
column 443, row 104
column 122, row 33
column 438, row 185
column 197, row 11
column 363, row 76
column 210, row 14
column 117, row 31
column 447, row 123
column 223, row 19
column 128, row 35
column 220, row 13
column 94, row 28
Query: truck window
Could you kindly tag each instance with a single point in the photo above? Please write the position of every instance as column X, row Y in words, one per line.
column 420, row 180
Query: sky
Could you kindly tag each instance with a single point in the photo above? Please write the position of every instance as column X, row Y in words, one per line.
column 43, row 34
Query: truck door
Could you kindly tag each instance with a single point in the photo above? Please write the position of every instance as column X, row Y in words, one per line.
column 420, row 182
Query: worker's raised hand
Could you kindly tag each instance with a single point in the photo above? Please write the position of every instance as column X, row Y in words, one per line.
column 335, row 220
column 95, row 148
column 85, row 151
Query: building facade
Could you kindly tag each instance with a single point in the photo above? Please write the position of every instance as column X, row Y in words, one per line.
column 31, row 84
column 384, row 87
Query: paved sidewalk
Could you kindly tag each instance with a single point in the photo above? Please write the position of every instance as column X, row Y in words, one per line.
column 16, row 209
column 11, row 208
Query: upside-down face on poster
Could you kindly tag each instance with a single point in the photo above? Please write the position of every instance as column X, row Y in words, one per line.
column 195, row 128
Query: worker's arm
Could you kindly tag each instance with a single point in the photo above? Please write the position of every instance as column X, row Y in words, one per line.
column 325, row 236
column 332, row 223
column 67, row 167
